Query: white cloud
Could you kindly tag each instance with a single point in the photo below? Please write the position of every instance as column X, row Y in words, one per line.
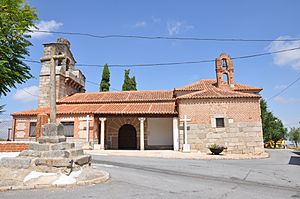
column 174, row 27
column 291, row 58
column 282, row 100
column 140, row 24
column 27, row 94
column 177, row 27
column 45, row 26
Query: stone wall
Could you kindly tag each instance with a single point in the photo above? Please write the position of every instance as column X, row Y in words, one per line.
column 242, row 132
column 112, row 130
column 239, row 138
column 69, row 80
column 44, row 90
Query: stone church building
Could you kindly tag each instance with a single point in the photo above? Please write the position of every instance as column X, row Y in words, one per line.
column 218, row 111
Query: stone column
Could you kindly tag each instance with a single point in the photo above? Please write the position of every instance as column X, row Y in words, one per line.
column 175, row 134
column 88, row 119
column 102, row 132
column 53, row 91
column 142, row 130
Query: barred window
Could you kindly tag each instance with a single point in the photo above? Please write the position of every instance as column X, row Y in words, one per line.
column 220, row 123
column 68, row 129
column 32, row 128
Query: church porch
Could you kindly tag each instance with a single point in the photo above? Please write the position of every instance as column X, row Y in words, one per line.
column 137, row 132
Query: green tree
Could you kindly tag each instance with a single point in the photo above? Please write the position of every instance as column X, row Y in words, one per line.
column 16, row 20
column 104, row 85
column 133, row 84
column 129, row 83
column 273, row 128
column 294, row 135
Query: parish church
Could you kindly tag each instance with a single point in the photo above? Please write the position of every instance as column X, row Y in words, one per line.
column 189, row 118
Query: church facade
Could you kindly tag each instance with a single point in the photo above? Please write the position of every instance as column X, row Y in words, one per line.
column 189, row 118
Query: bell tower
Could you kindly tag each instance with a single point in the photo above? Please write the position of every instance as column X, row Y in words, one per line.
column 224, row 71
column 69, row 80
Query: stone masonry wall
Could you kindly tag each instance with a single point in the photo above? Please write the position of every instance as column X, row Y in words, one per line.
column 242, row 132
column 44, row 89
column 69, row 80
column 112, row 130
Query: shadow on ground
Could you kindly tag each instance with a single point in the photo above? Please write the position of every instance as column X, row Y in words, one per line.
column 295, row 160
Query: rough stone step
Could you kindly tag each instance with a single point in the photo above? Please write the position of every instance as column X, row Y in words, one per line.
column 52, row 139
column 30, row 153
column 63, row 162
column 16, row 163
column 47, row 146
column 38, row 147
column 82, row 160
column 53, row 162
column 76, row 152
column 55, row 154
column 62, row 146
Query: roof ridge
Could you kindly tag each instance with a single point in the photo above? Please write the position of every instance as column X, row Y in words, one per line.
column 219, row 93
column 204, row 83
column 195, row 83
column 192, row 93
column 122, row 101
column 132, row 91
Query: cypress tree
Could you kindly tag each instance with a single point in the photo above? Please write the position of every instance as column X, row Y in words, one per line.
column 126, row 84
column 104, row 85
column 129, row 83
column 133, row 83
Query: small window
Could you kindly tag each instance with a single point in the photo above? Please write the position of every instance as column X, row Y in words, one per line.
column 32, row 128
column 225, row 78
column 220, row 123
column 68, row 129
column 67, row 64
column 59, row 62
column 224, row 64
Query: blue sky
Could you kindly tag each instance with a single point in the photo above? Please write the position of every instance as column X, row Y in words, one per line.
column 205, row 19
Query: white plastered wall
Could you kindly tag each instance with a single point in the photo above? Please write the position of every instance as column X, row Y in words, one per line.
column 160, row 131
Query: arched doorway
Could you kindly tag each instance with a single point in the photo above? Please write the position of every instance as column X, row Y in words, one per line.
column 127, row 137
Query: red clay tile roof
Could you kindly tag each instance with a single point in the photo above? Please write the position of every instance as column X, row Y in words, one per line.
column 203, row 84
column 214, row 92
column 163, row 108
column 120, row 96
column 155, row 102
column 244, row 87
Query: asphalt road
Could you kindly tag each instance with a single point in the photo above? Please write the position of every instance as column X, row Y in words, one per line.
column 132, row 177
